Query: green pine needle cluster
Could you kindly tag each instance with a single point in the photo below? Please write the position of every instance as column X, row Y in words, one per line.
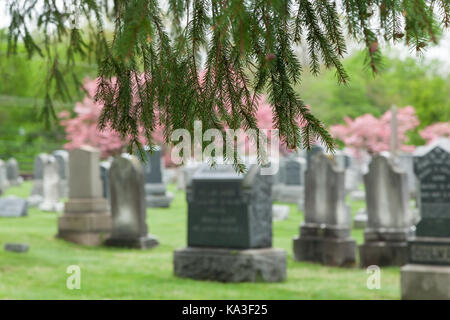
column 210, row 60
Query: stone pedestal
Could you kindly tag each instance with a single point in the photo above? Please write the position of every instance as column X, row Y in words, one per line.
column 425, row 282
column 89, row 229
column 230, row 265
column 385, row 247
column 147, row 242
column 156, row 196
column 329, row 246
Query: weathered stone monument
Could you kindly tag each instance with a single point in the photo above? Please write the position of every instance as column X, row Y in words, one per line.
column 37, row 192
column 86, row 219
column 325, row 233
column 62, row 158
column 51, row 186
column 230, row 228
column 128, row 209
column 390, row 221
column 156, row 195
column 12, row 172
column 13, row 207
column 4, row 183
column 427, row 274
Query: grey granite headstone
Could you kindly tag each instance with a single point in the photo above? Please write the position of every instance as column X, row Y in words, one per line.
column 13, row 207
column 51, row 186
column 86, row 219
column 390, row 221
column 37, row 192
column 230, row 228
column 156, row 195
column 4, row 183
column 62, row 158
column 325, row 233
column 126, row 183
column 427, row 274
column 12, row 170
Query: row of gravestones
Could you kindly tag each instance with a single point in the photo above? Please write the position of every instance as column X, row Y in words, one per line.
column 230, row 225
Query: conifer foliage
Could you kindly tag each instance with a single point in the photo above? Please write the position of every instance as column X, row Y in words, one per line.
column 211, row 59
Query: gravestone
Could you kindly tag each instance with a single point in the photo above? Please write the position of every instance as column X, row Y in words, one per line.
column 86, row 219
column 390, row 221
column 427, row 274
column 17, row 247
column 156, row 195
column 12, row 171
column 290, row 183
column 325, row 233
column 13, row 207
column 4, row 183
column 128, row 209
column 406, row 161
column 62, row 158
column 104, row 175
column 230, row 228
column 37, row 192
column 51, row 187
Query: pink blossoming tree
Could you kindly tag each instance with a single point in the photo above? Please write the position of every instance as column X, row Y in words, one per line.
column 368, row 134
column 436, row 131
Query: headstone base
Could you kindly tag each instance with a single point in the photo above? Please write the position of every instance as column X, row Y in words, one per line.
column 159, row 201
column 329, row 246
column 228, row 265
column 383, row 253
column 89, row 229
column 425, row 282
column 139, row 243
column 287, row 193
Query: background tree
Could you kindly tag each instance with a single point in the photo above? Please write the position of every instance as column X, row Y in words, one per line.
column 248, row 46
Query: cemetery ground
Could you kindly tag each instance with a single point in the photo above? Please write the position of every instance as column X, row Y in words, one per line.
column 111, row 273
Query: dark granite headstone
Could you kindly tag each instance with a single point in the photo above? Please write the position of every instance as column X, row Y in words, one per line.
column 152, row 165
column 293, row 173
column 433, row 171
column 13, row 207
column 427, row 274
column 229, row 210
column 156, row 195
column 230, row 228
column 128, row 210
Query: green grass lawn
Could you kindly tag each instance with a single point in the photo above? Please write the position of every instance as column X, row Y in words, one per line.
column 108, row 273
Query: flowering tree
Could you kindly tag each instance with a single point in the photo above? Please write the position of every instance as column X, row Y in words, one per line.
column 436, row 131
column 83, row 128
column 372, row 135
